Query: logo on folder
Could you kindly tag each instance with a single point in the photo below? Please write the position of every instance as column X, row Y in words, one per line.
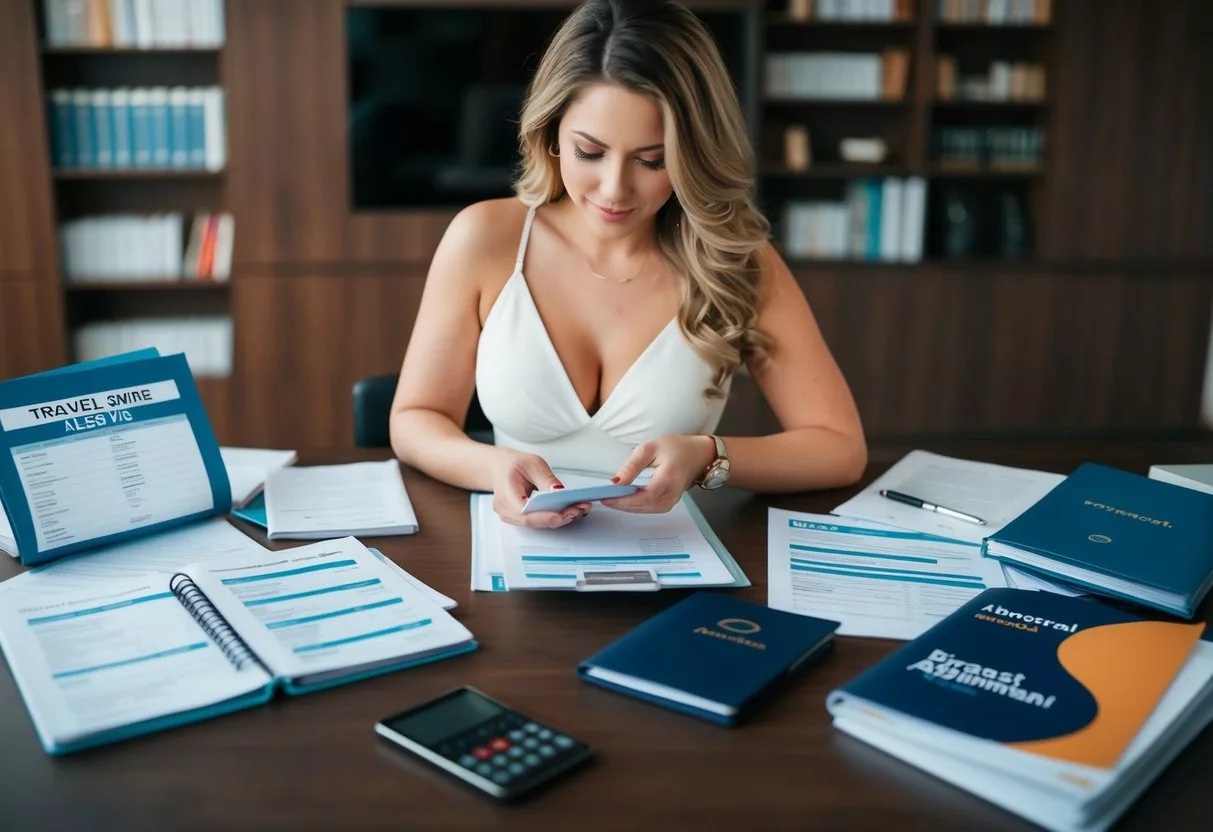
column 741, row 626
column 1099, row 538
column 736, row 631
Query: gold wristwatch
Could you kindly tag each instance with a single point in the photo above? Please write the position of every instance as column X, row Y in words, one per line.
column 717, row 472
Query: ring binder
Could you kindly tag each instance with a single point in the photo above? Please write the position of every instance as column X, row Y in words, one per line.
column 212, row 622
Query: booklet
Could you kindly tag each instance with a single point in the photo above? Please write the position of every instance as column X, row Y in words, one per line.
column 129, row 657
column 95, row 453
column 318, row 502
column 247, row 469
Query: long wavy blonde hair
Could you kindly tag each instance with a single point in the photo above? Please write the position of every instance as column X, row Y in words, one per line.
column 710, row 229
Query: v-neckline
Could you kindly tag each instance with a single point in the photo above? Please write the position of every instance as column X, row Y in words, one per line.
column 568, row 381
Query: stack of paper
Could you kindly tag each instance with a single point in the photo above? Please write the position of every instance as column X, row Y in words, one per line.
column 247, row 469
column 608, row 550
column 326, row 501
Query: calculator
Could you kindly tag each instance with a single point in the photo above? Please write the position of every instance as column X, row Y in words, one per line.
column 479, row 740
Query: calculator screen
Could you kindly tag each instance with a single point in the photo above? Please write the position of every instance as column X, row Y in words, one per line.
column 446, row 718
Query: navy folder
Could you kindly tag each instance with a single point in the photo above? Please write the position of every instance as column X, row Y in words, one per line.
column 1117, row 534
column 710, row 655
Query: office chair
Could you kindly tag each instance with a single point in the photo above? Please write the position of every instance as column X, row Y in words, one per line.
column 373, row 404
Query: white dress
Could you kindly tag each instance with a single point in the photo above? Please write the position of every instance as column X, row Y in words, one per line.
column 527, row 395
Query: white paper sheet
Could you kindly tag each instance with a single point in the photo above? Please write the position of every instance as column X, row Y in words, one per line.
column 995, row 493
column 330, row 501
column 247, row 469
column 875, row 580
column 164, row 553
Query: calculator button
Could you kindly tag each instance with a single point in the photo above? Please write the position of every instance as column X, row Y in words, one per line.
column 481, row 753
column 516, row 736
column 530, row 742
column 499, row 744
column 501, row 778
column 547, row 751
column 562, row 741
column 531, row 728
column 545, row 734
column 516, row 768
column 484, row 769
column 500, row 760
column 515, row 752
column 532, row 759
column 467, row 761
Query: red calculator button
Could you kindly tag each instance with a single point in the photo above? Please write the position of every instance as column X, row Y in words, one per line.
column 499, row 744
column 481, row 753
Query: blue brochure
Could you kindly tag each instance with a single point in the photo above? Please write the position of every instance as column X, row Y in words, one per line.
column 106, row 450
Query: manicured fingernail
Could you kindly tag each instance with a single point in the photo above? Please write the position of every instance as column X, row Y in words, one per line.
column 557, row 485
column 614, row 479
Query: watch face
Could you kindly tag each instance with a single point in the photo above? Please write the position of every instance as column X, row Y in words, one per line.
column 716, row 476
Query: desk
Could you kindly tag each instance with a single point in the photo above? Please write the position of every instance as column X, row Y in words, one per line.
column 313, row 762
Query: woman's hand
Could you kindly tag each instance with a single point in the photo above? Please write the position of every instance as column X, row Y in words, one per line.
column 677, row 461
column 513, row 482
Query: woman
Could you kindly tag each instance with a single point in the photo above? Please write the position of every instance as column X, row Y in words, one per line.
column 602, row 314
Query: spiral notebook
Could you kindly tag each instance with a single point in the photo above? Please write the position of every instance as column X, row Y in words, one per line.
column 131, row 657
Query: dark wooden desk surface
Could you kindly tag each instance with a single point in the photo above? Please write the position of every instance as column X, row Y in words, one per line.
column 313, row 762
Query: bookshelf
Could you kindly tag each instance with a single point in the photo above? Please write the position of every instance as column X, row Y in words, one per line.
column 119, row 191
column 975, row 143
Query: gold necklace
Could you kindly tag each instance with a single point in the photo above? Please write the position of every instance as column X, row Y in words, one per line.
column 643, row 263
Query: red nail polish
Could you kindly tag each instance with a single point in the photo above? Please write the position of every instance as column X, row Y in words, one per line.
column 614, row 479
column 557, row 485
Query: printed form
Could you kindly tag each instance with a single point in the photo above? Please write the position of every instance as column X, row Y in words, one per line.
column 108, row 473
column 330, row 501
column 876, row 580
column 325, row 607
column 124, row 652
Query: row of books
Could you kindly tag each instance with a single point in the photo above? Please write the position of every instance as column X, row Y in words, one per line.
column 845, row 75
column 1003, row 81
column 1002, row 148
column 995, row 12
column 147, row 247
column 205, row 340
column 140, row 127
column 141, row 24
column 880, row 219
column 849, row 10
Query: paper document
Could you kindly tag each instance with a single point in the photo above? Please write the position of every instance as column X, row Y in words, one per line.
column 995, row 493
column 330, row 501
column 609, row 549
column 325, row 607
column 8, row 543
column 488, row 563
column 422, row 587
column 247, row 469
column 875, row 580
column 120, row 653
column 1021, row 579
column 163, row 553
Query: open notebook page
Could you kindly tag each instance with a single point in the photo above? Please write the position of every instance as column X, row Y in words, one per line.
column 329, row 501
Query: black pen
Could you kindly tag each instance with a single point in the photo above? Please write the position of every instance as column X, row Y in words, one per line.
column 917, row 502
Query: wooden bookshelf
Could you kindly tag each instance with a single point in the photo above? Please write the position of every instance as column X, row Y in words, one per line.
column 128, row 50
column 134, row 174
column 168, row 284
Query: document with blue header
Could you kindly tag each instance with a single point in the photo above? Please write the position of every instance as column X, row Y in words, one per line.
column 95, row 453
column 134, row 655
column 876, row 580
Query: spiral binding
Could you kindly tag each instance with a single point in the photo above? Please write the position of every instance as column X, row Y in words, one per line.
column 215, row 625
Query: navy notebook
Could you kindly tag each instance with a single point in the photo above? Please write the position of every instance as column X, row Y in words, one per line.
column 1118, row 534
column 710, row 655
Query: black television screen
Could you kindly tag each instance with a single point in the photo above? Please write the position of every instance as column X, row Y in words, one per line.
column 435, row 92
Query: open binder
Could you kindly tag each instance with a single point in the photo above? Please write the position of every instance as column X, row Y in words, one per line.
column 131, row 657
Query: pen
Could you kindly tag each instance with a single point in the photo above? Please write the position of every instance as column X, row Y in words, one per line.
column 923, row 504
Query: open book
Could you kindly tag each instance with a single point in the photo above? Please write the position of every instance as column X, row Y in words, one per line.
column 130, row 657
column 325, row 501
column 96, row 453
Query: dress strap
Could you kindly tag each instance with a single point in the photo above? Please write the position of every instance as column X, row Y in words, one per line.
column 526, row 236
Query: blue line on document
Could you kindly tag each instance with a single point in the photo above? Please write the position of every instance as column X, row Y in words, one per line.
column 269, row 576
column 800, row 548
column 400, row 629
column 601, row 558
column 159, row 596
column 277, row 625
column 160, row 655
column 884, row 569
column 550, row 575
column 896, row 535
column 339, row 588
column 679, row 574
column 874, row 576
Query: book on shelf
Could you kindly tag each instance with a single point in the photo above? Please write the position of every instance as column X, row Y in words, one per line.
column 142, row 654
column 133, row 247
column 205, row 340
column 878, row 219
column 995, row 12
column 848, row 76
column 1118, row 534
column 850, row 11
column 134, row 24
column 1059, row 709
column 169, row 128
